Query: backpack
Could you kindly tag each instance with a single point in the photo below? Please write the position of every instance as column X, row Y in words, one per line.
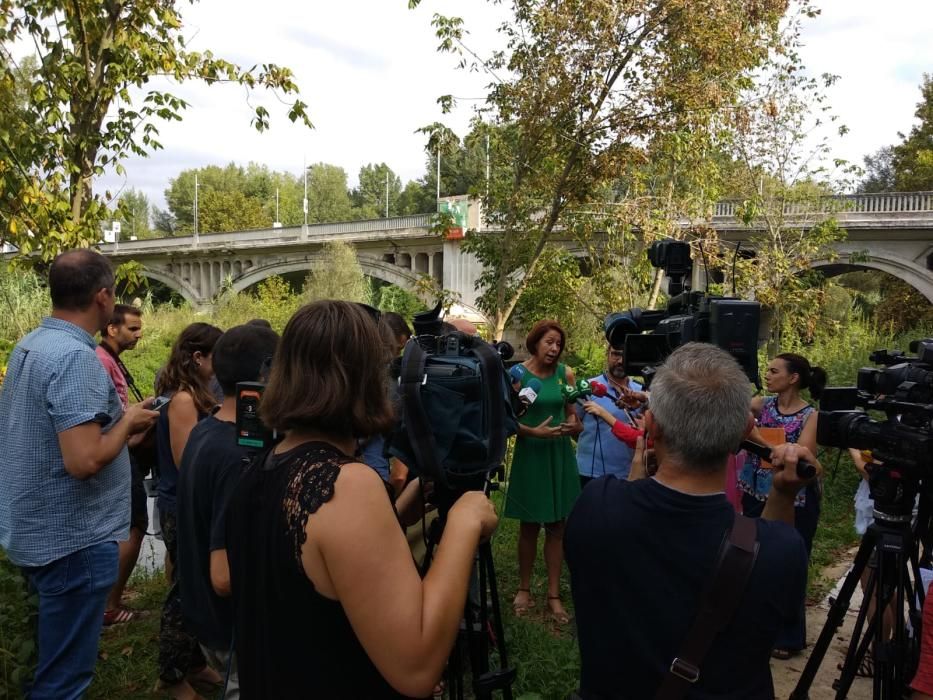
column 457, row 410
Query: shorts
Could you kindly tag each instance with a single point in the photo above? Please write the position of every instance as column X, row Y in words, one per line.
column 139, row 507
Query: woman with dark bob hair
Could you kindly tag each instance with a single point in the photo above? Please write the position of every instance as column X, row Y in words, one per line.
column 327, row 600
column 543, row 483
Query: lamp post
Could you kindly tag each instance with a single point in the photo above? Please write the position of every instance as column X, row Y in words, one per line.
column 196, row 239
column 304, row 202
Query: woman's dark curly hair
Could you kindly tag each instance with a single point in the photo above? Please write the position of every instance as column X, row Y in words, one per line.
column 181, row 373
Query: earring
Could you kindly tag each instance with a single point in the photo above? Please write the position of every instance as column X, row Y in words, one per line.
column 197, row 363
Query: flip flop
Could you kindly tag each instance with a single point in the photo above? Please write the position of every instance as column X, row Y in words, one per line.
column 561, row 618
column 520, row 610
column 783, row 654
column 117, row 616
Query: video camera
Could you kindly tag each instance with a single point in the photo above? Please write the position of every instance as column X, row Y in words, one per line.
column 902, row 443
column 728, row 322
column 458, row 406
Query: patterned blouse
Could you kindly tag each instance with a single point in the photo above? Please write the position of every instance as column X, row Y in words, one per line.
column 754, row 480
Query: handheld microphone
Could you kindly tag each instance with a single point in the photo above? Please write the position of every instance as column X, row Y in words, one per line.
column 599, row 389
column 516, row 372
column 529, row 394
column 805, row 470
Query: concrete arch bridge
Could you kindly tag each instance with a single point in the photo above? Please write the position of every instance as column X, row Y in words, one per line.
column 888, row 232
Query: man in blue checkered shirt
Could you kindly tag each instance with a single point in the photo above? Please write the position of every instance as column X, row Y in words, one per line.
column 65, row 472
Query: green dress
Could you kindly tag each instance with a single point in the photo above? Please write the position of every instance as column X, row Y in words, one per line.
column 543, row 483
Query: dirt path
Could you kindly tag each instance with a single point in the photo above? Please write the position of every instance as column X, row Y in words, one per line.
column 787, row 673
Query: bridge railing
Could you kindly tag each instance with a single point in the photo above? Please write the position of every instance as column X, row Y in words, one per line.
column 370, row 226
column 874, row 203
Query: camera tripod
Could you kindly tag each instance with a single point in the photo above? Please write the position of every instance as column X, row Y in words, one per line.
column 889, row 551
column 481, row 627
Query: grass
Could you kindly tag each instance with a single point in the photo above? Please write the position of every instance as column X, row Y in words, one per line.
column 546, row 656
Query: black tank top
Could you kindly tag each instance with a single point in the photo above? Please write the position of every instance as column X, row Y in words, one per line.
column 291, row 642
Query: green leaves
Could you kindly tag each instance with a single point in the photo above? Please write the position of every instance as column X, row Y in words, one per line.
column 68, row 116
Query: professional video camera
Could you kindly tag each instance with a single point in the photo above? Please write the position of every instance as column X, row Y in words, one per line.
column 900, row 470
column 728, row 322
column 458, row 409
column 457, row 404
column 903, row 443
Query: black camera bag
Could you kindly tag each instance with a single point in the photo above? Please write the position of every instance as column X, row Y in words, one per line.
column 456, row 409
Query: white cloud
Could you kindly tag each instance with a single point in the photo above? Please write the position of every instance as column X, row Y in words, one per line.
column 370, row 74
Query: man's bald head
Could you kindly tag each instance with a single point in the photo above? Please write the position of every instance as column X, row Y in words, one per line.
column 76, row 276
column 464, row 326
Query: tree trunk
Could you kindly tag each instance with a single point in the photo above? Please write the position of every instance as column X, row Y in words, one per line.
column 499, row 326
column 656, row 288
column 774, row 337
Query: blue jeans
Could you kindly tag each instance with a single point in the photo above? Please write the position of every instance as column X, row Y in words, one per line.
column 72, row 594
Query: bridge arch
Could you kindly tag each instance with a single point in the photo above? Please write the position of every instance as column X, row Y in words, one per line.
column 175, row 284
column 387, row 272
column 907, row 271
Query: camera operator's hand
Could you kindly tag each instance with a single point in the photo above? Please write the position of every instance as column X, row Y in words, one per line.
column 785, row 483
column 784, row 459
column 475, row 507
column 140, row 417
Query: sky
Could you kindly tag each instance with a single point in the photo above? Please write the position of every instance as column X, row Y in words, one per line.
column 370, row 74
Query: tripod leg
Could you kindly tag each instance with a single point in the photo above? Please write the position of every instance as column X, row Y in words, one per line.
column 498, row 627
column 859, row 643
column 835, row 617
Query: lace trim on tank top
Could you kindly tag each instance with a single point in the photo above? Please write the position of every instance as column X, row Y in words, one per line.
column 312, row 474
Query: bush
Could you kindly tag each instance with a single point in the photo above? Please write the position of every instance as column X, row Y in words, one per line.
column 17, row 645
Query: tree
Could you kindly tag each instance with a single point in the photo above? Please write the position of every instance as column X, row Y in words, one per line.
column 579, row 90
column 880, row 174
column 415, row 199
column 783, row 178
column 133, row 214
column 336, row 274
column 369, row 196
column 85, row 112
column 163, row 222
column 263, row 184
column 229, row 210
column 913, row 157
column 328, row 197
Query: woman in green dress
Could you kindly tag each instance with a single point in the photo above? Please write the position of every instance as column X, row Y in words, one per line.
column 543, row 483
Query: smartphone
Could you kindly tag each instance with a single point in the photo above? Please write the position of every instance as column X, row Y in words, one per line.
column 159, row 401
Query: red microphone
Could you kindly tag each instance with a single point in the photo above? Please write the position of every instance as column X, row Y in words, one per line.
column 599, row 389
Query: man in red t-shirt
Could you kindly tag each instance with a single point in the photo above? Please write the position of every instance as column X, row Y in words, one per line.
column 122, row 333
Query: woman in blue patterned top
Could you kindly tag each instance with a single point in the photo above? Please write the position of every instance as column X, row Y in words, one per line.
column 787, row 375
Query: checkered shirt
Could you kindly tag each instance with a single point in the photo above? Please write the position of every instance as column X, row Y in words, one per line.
column 54, row 382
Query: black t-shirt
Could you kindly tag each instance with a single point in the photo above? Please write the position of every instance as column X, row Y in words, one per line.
column 209, row 471
column 639, row 555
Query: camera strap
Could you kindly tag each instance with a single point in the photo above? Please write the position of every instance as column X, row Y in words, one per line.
column 720, row 600
column 411, row 377
column 130, row 383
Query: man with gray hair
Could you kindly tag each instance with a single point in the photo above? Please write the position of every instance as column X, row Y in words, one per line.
column 641, row 552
